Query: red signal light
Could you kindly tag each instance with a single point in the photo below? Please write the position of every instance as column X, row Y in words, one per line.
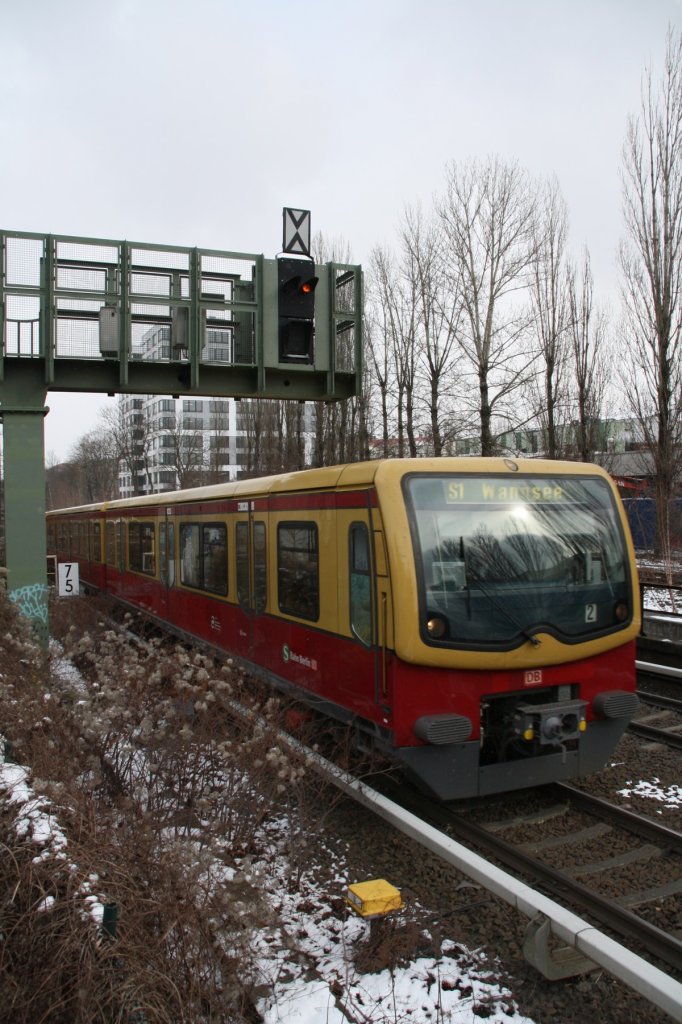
column 296, row 283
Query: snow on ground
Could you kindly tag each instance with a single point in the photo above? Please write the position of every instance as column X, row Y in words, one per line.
column 307, row 964
column 662, row 601
column 658, row 598
column 671, row 795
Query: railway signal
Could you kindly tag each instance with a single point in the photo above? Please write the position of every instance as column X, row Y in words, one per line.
column 296, row 283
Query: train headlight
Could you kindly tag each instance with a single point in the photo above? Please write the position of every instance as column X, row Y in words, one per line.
column 436, row 627
column 621, row 612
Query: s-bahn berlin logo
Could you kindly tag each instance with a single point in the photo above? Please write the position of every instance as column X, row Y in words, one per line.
column 298, row 659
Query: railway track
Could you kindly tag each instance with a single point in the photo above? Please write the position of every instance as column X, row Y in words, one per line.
column 568, row 829
column 661, row 720
column 652, row 577
column 645, row 731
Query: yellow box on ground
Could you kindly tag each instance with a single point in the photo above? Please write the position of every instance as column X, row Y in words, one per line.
column 374, row 898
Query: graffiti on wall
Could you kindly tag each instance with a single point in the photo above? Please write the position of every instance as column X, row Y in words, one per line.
column 32, row 601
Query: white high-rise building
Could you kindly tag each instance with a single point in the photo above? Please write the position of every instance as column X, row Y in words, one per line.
column 177, row 442
column 173, row 442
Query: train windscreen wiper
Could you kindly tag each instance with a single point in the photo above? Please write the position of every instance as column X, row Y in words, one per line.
column 471, row 577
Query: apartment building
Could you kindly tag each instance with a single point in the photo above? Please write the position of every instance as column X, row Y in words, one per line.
column 168, row 443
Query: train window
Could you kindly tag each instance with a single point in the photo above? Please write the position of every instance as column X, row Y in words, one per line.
column 242, row 542
column 360, row 584
column 499, row 559
column 258, row 599
column 110, row 543
column 203, row 556
column 190, row 555
column 167, row 553
column 141, row 548
column 97, row 542
column 214, row 560
column 260, row 573
column 298, row 570
column 121, row 544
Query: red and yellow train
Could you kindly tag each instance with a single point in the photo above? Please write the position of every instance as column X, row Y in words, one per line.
column 475, row 619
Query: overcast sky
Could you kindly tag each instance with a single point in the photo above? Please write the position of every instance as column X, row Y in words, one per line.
column 193, row 122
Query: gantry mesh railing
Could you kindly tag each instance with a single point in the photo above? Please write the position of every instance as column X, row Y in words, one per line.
column 90, row 299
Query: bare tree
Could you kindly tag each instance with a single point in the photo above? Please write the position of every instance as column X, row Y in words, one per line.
column 293, row 441
column 437, row 316
column 651, row 263
column 588, row 361
column 487, row 215
column 95, row 461
column 378, row 365
column 183, row 450
column 396, row 290
column 131, row 436
column 549, row 297
column 263, row 423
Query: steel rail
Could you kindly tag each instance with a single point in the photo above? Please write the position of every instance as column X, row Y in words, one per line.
column 650, row 732
column 651, row 669
column 607, row 912
column 657, row 700
column 645, row 827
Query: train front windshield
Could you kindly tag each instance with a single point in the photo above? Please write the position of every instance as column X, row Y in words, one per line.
column 500, row 560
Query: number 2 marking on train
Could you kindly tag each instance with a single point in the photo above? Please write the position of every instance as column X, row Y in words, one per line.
column 590, row 613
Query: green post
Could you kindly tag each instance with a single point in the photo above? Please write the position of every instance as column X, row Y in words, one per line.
column 25, row 543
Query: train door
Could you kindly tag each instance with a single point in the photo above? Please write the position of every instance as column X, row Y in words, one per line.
column 251, row 575
column 166, row 559
column 365, row 596
column 109, row 556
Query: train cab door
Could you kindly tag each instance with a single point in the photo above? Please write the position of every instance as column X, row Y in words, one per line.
column 368, row 615
column 166, row 560
column 251, row 575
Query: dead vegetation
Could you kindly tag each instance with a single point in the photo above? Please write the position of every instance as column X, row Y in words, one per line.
column 121, row 900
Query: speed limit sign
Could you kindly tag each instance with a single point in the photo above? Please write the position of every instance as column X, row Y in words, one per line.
column 67, row 579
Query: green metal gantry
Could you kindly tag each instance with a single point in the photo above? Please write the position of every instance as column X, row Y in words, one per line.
column 97, row 315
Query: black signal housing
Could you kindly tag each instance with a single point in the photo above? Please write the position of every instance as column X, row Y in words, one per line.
column 296, row 284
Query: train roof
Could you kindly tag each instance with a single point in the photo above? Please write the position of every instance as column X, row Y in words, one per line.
column 354, row 474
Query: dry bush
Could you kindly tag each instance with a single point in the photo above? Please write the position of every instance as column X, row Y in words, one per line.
column 160, row 788
column 391, row 942
column 180, row 950
column 162, row 738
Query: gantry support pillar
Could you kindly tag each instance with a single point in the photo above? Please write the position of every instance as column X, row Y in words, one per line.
column 23, row 410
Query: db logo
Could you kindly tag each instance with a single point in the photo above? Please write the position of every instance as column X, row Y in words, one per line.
column 533, row 677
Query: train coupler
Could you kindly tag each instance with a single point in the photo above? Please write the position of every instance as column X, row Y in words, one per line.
column 550, row 723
